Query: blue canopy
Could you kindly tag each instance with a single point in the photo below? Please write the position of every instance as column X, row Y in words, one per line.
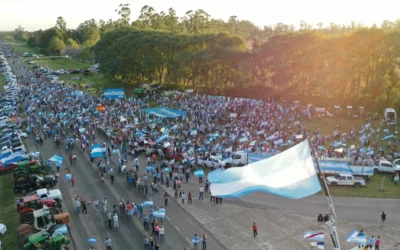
column 164, row 112
column 114, row 93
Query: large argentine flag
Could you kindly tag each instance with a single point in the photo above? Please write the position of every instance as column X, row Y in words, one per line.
column 96, row 151
column 290, row 174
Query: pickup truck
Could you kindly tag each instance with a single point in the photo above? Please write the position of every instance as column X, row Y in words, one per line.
column 213, row 162
column 47, row 194
column 345, row 180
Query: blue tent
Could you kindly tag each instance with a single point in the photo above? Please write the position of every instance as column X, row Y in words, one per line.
column 114, row 93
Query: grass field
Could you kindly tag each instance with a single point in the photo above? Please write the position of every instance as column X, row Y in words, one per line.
column 22, row 48
column 2, row 83
column 8, row 213
column 60, row 63
column 372, row 189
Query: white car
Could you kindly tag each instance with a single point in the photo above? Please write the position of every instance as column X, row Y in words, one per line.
column 45, row 194
column 211, row 161
column 3, row 230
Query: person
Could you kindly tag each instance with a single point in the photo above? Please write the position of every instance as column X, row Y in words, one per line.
column 104, row 205
column 96, row 204
column 157, row 247
column 146, row 243
column 72, row 180
column 162, row 233
column 320, row 218
column 84, row 207
column 112, row 178
column 378, row 243
column 383, row 217
column 115, row 218
column 371, row 242
column 204, row 240
column 78, row 205
column 326, row 218
column 166, row 199
column 107, row 243
column 195, row 242
column 109, row 215
column 201, row 192
column 254, row 229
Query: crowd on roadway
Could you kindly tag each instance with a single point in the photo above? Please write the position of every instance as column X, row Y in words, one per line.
column 69, row 116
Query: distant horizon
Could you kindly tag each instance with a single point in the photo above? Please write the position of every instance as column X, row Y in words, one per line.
column 42, row 14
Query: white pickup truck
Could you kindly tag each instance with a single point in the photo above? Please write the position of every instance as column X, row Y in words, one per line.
column 45, row 194
column 345, row 180
column 213, row 161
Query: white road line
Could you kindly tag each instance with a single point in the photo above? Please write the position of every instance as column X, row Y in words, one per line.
column 177, row 228
column 167, row 217
column 188, row 240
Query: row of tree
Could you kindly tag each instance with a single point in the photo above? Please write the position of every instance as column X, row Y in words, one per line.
column 362, row 65
column 350, row 62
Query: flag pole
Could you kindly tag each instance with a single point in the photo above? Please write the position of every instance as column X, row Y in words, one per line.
column 333, row 217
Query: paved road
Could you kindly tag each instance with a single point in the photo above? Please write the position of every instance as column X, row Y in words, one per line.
column 179, row 226
column 349, row 209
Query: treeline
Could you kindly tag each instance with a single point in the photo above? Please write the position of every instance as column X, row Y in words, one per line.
column 359, row 66
column 348, row 63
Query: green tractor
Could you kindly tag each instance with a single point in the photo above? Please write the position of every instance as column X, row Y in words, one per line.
column 43, row 240
column 30, row 167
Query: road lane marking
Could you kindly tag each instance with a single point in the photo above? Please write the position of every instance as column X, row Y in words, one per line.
column 177, row 228
column 188, row 240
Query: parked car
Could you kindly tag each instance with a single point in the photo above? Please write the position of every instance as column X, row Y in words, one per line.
column 345, row 180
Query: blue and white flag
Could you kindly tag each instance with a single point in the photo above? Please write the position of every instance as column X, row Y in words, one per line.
column 35, row 154
column 92, row 240
column 213, row 136
column 68, row 177
column 199, row 173
column 96, row 151
column 115, row 151
column 357, row 237
column 63, row 229
column 14, row 158
column 150, row 169
column 160, row 213
column 166, row 170
column 57, row 159
column 290, row 174
column 387, row 137
column 162, row 138
column 147, row 204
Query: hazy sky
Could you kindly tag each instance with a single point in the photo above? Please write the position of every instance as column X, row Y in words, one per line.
column 42, row 14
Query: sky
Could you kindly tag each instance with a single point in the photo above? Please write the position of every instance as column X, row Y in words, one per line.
column 42, row 14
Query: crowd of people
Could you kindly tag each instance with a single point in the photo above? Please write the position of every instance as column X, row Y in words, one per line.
column 67, row 115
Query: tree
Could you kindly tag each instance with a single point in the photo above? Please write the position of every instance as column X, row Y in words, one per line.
column 56, row 45
column 124, row 12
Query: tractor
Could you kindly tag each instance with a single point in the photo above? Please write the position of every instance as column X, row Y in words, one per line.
column 50, row 239
column 45, row 218
column 30, row 167
column 31, row 203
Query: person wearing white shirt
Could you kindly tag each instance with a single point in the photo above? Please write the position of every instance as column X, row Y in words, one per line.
column 161, row 233
column 115, row 218
column 201, row 192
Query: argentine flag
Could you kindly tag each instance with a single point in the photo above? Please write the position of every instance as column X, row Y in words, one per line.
column 314, row 236
column 290, row 174
column 159, row 213
column 57, row 159
column 147, row 204
column 199, row 173
column 97, row 151
column 357, row 237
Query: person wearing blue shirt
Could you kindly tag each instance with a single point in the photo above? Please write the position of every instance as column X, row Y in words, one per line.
column 371, row 242
column 196, row 241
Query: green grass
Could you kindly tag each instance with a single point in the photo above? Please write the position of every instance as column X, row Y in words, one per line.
column 22, row 48
column 8, row 213
column 60, row 63
column 2, row 83
column 371, row 190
